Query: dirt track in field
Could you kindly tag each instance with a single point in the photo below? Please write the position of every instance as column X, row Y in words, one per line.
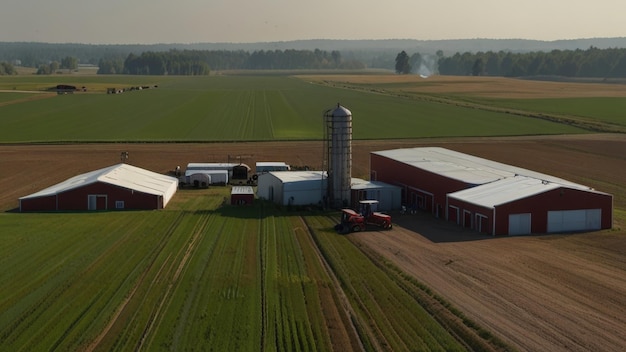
column 492, row 87
column 549, row 293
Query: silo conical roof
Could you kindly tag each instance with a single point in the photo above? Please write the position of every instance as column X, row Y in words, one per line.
column 339, row 111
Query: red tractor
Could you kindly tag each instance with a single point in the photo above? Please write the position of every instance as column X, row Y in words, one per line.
column 353, row 221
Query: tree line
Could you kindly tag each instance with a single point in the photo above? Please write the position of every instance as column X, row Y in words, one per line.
column 200, row 62
column 593, row 62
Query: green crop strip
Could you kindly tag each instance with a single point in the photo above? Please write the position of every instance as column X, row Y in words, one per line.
column 200, row 275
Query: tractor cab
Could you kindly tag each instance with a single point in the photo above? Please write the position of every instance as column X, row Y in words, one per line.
column 367, row 214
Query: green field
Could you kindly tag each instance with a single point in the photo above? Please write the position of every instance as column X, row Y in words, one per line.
column 201, row 275
column 226, row 108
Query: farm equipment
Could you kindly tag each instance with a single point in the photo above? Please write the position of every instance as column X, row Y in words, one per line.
column 353, row 221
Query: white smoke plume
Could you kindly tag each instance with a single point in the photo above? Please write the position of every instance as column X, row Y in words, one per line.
column 427, row 66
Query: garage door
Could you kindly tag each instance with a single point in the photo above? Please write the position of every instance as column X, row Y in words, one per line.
column 574, row 220
column 519, row 224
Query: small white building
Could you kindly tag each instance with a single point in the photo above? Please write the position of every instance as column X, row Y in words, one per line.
column 293, row 187
column 389, row 197
column 213, row 177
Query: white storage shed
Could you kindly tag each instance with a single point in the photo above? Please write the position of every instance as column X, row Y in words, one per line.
column 293, row 187
column 389, row 197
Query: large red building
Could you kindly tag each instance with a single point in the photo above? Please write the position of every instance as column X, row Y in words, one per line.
column 488, row 196
column 116, row 187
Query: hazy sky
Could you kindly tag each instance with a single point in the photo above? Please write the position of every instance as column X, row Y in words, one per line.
column 241, row 21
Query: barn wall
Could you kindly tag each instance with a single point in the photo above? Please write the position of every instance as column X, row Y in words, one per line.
column 470, row 216
column 48, row 203
column 421, row 189
column 241, row 199
column 558, row 199
column 76, row 199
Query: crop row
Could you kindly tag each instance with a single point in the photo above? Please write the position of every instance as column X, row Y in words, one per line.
column 225, row 279
column 388, row 317
column 204, row 276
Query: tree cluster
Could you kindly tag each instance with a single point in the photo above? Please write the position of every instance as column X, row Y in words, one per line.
column 69, row 63
column 7, row 69
column 592, row 62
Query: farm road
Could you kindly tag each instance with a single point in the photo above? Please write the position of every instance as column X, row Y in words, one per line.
column 543, row 293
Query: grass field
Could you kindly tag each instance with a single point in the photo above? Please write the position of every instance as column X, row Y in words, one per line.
column 244, row 108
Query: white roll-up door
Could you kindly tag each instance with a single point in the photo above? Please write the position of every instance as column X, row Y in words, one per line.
column 574, row 220
column 519, row 224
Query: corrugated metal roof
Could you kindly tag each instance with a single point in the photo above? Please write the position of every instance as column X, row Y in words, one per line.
column 464, row 167
column 299, row 176
column 503, row 191
column 206, row 172
column 122, row 175
column 242, row 190
column 271, row 163
column 360, row 184
column 211, row 166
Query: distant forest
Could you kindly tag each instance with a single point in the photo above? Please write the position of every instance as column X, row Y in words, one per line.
column 593, row 62
column 600, row 57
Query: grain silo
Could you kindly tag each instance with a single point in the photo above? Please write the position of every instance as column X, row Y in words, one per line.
column 338, row 155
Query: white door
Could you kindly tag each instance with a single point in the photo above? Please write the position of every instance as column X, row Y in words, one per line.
column 519, row 224
column 92, row 201
column 574, row 220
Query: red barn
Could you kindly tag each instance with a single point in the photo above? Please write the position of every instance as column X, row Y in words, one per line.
column 488, row 196
column 116, row 187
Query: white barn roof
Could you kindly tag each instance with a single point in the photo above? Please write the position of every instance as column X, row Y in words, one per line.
column 508, row 190
column 122, row 175
column 271, row 163
column 361, row 184
column 503, row 191
column 242, row 190
column 464, row 167
column 299, row 176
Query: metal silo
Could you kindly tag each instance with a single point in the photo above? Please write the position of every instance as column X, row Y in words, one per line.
column 338, row 148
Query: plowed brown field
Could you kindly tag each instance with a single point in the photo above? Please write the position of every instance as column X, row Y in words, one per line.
column 539, row 293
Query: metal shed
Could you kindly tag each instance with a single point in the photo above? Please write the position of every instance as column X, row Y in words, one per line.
column 117, row 187
column 389, row 197
column 241, row 195
column 213, row 177
column 268, row 166
column 292, row 187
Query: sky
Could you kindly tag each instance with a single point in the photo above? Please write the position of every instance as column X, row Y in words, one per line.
column 250, row 21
